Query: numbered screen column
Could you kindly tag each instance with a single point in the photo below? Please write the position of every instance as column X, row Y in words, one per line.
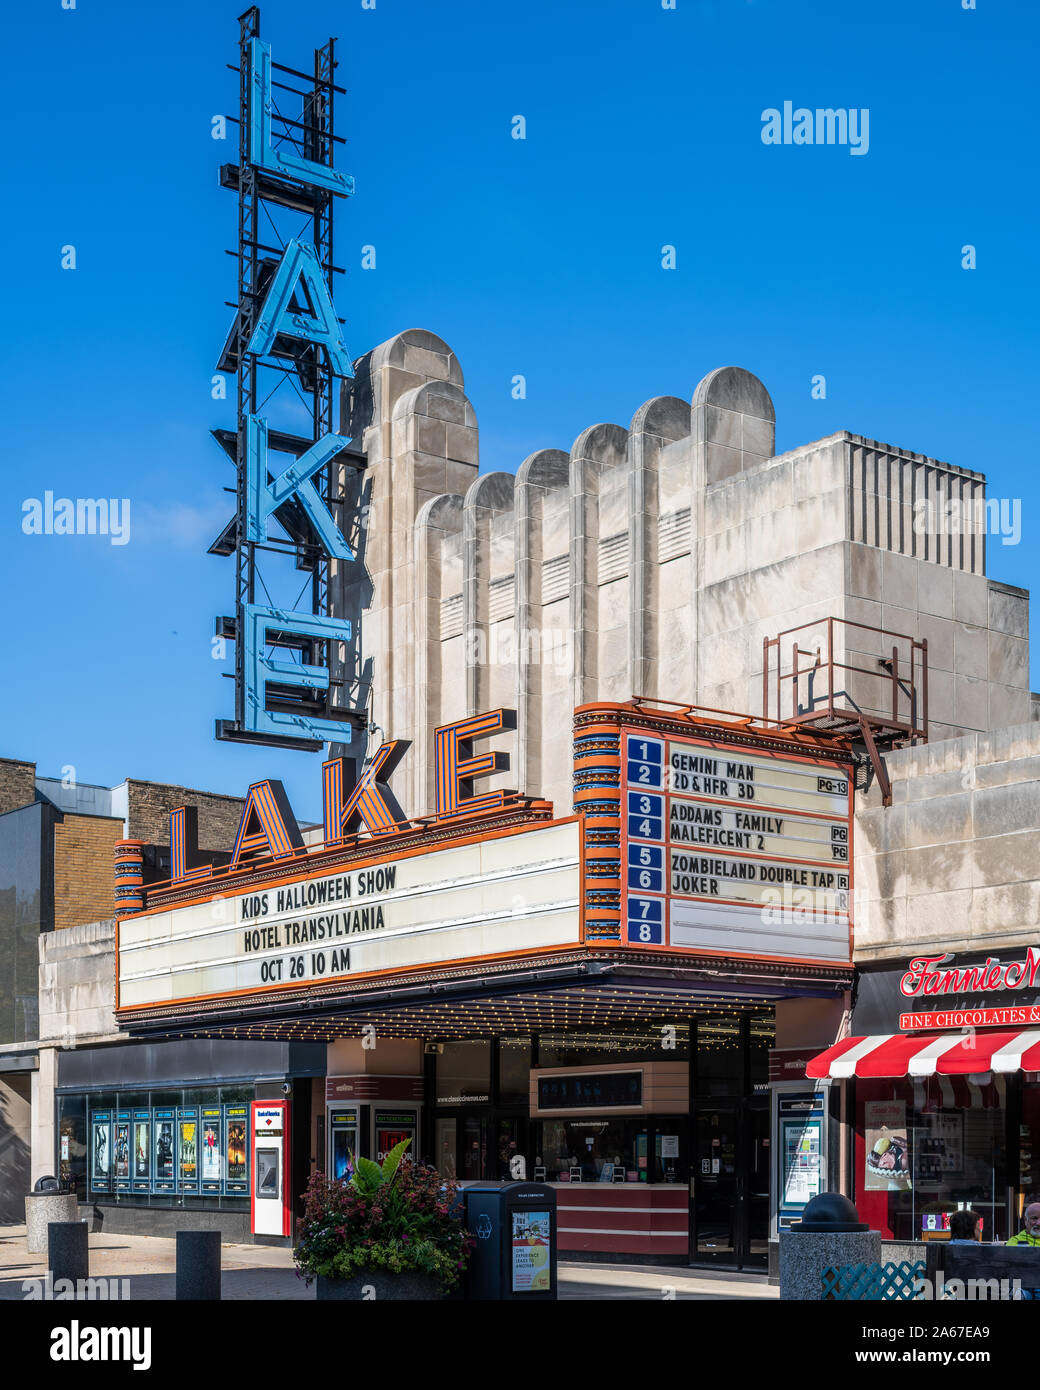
column 645, row 812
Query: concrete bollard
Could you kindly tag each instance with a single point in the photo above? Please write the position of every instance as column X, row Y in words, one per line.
column 198, row 1265
column 41, row 1208
column 829, row 1234
column 67, row 1250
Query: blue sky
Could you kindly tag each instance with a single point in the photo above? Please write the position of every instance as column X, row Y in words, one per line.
column 539, row 257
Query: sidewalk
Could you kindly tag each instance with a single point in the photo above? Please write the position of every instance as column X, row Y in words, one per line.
column 264, row 1272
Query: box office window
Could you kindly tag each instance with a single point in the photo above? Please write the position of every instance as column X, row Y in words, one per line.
column 464, row 1073
column 598, row 1149
column 925, row 1147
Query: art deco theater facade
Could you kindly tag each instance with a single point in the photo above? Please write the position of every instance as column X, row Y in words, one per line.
column 670, row 737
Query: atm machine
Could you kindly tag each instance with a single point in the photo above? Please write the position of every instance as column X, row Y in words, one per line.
column 270, row 1207
column 802, row 1160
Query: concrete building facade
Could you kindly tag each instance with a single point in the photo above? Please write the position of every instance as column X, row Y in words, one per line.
column 653, row 560
column 674, row 569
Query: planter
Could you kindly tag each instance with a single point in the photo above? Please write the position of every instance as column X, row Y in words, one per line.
column 379, row 1286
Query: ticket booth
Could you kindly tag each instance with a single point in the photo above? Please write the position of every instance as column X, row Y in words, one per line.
column 271, row 1199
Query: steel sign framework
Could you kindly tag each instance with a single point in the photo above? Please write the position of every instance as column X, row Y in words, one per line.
column 294, row 660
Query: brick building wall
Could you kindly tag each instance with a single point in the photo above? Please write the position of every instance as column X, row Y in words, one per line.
column 84, row 886
column 17, row 784
column 150, row 804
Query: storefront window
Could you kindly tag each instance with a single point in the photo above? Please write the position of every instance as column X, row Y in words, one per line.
column 464, row 1073
column 205, row 1095
column 720, row 1057
column 513, row 1164
column 928, row 1146
column 1029, row 1145
column 135, row 1142
column 514, row 1071
column 72, row 1141
column 761, row 1038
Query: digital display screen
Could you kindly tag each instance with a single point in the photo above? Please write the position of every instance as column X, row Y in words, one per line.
column 591, row 1092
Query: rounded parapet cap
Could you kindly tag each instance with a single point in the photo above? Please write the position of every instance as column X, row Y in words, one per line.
column 734, row 388
column 493, row 490
column 546, row 468
column 420, row 351
column 666, row 416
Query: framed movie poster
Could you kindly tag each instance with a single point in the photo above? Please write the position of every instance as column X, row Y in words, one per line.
column 101, row 1151
column 887, row 1163
column 142, row 1151
column 164, row 1123
column 236, row 1150
column 188, row 1150
column 121, row 1152
column 210, row 1150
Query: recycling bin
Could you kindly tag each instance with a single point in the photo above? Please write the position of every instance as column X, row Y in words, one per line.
column 515, row 1252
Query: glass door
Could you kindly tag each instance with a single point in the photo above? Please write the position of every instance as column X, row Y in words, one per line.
column 714, row 1205
column 756, row 1250
column 511, row 1161
column 445, row 1142
column 729, row 1207
column 473, row 1146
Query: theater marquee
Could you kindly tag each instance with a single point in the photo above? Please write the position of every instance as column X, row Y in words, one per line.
column 507, row 894
column 724, row 848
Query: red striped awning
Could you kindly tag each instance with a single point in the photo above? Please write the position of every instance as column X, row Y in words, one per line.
column 928, row 1054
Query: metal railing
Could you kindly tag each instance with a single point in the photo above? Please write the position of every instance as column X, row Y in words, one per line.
column 891, row 694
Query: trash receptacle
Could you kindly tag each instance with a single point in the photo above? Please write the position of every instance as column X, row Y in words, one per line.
column 515, row 1252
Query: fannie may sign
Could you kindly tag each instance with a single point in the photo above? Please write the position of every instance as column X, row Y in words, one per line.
column 940, row 977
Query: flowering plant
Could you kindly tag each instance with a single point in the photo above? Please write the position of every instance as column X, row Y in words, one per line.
column 394, row 1217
